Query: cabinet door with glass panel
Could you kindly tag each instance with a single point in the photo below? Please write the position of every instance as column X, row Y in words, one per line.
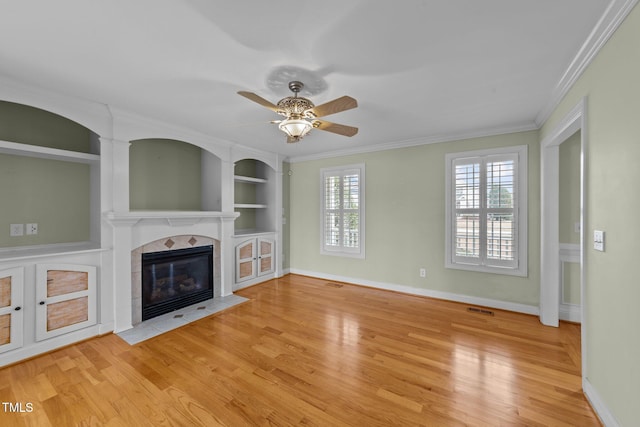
column 66, row 299
column 11, row 312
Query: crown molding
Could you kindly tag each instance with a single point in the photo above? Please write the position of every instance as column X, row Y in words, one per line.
column 435, row 139
column 608, row 23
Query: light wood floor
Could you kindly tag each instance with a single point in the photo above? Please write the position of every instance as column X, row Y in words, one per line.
column 311, row 352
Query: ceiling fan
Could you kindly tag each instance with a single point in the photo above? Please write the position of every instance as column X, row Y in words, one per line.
column 301, row 115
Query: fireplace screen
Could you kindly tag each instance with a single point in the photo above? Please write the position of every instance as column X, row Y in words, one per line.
column 176, row 279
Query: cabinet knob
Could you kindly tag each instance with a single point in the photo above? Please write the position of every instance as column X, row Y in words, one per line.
column 41, row 302
column 18, row 308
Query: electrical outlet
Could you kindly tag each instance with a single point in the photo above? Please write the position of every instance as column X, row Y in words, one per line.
column 423, row 272
column 32, row 228
column 16, row 230
column 598, row 240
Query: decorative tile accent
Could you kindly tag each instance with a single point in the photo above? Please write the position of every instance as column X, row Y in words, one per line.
column 169, row 243
column 193, row 241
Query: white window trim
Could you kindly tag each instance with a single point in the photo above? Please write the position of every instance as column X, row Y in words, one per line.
column 344, row 252
column 521, row 212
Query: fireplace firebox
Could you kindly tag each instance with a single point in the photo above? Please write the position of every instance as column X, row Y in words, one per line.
column 176, row 279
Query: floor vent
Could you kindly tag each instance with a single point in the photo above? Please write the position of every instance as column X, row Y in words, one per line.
column 334, row 285
column 480, row 311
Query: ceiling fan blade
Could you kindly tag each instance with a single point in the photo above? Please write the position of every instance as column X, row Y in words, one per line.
column 260, row 100
column 335, row 128
column 337, row 105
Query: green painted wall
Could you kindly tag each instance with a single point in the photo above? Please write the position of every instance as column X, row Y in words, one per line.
column 164, row 175
column 612, row 87
column 405, row 217
column 54, row 194
column 569, row 207
column 569, row 203
column 571, row 281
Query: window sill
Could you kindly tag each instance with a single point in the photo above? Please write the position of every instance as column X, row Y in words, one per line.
column 521, row 272
column 343, row 254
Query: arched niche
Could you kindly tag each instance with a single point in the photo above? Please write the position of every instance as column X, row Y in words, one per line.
column 34, row 126
column 49, row 176
column 167, row 174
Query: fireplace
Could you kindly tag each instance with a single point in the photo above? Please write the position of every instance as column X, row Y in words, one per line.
column 175, row 279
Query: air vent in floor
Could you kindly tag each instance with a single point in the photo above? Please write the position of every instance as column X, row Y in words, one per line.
column 480, row 311
column 334, row 285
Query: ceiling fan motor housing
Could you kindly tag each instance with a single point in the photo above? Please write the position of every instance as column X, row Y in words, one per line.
column 294, row 107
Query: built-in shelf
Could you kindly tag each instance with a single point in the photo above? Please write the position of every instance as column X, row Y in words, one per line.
column 249, row 206
column 28, row 150
column 254, row 196
column 92, row 160
column 27, row 252
column 249, row 179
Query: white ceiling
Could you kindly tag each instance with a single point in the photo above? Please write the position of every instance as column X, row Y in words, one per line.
column 420, row 69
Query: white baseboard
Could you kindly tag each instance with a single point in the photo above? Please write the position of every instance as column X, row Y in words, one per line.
column 598, row 405
column 570, row 313
column 485, row 302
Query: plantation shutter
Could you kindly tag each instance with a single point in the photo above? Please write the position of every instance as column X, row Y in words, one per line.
column 342, row 210
column 485, row 213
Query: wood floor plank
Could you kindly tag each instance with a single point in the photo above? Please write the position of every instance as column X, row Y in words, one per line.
column 305, row 351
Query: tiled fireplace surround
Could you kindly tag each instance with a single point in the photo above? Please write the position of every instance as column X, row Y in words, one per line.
column 164, row 245
column 138, row 232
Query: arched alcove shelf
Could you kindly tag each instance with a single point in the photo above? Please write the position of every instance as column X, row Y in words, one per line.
column 169, row 175
column 49, row 176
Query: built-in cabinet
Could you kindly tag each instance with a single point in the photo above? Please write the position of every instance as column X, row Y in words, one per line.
column 255, row 257
column 256, row 229
column 74, row 284
column 11, row 312
column 51, row 232
column 43, row 305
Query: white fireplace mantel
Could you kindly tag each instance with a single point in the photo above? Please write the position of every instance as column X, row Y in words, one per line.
column 133, row 229
column 172, row 218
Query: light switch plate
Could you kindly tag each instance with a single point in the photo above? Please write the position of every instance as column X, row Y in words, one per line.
column 598, row 240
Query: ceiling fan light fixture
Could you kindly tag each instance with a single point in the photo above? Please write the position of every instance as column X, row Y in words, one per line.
column 295, row 128
column 301, row 114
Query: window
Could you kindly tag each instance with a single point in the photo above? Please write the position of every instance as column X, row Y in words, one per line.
column 486, row 210
column 342, row 218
